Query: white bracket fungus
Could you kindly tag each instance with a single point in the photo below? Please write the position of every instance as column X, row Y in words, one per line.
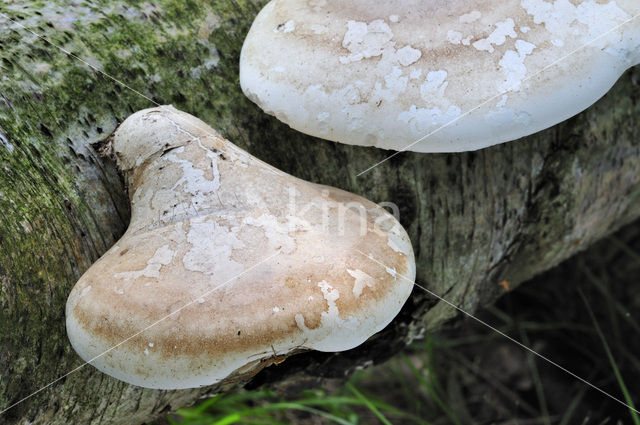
column 466, row 73
column 218, row 272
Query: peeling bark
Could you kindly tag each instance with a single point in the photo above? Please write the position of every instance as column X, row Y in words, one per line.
column 475, row 219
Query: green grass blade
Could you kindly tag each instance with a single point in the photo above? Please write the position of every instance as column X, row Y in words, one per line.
column 624, row 313
column 231, row 419
column 571, row 409
column 431, row 390
column 614, row 366
column 537, row 381
column 296, row 406
column 367, row 403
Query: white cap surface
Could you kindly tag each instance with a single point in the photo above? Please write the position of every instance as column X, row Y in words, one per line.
column 229, row 262
column 464, row 73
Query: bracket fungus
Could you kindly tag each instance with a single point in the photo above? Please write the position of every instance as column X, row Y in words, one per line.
column 228, row 262
column 432, row 75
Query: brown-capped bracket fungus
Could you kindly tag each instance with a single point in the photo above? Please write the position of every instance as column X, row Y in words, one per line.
column 228, row 262
column 452, row 75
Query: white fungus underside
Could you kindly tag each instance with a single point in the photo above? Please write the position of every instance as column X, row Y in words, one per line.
column 377, row 106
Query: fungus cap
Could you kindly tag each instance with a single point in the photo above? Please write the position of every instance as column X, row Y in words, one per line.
column 228, row 262
column 457, row 75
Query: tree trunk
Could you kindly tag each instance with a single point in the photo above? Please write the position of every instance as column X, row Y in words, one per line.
column 476, row 219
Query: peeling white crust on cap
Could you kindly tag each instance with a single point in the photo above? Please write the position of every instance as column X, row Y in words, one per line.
column 386, row 74
column 204, row 212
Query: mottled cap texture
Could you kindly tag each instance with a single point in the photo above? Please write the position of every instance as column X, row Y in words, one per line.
column 435, row 75
column 229, row 262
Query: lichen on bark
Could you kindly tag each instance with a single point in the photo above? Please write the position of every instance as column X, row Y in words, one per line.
column 475, row 219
